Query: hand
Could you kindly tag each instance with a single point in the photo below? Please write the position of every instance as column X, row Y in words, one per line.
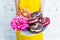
column 24, row 13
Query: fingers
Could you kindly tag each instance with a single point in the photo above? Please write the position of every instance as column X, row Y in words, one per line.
column 24, row 13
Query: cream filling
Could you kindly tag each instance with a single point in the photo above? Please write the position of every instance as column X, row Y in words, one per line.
column 33, row 21
column 36, row 30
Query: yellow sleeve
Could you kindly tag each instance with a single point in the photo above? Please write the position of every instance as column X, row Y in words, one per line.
column 31, row 5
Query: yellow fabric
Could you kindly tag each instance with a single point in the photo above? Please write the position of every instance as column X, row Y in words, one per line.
column 24, row 37
column 31, row 5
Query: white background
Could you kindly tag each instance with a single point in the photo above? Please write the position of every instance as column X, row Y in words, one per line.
column 52, row 10
column 7, row 12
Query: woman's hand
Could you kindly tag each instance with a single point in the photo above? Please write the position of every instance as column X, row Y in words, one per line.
column 24, row 12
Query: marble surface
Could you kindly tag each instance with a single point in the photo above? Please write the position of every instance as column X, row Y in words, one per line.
column 7, row 11
column 51, row 9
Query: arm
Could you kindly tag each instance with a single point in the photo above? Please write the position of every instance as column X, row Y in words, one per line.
column 17, row 6
column 42, row 7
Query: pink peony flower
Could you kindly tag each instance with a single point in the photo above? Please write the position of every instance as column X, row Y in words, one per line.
column 19, row 23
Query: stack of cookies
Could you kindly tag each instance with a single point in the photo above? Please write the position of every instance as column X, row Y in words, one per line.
column 35, row 19
column 35, row 25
